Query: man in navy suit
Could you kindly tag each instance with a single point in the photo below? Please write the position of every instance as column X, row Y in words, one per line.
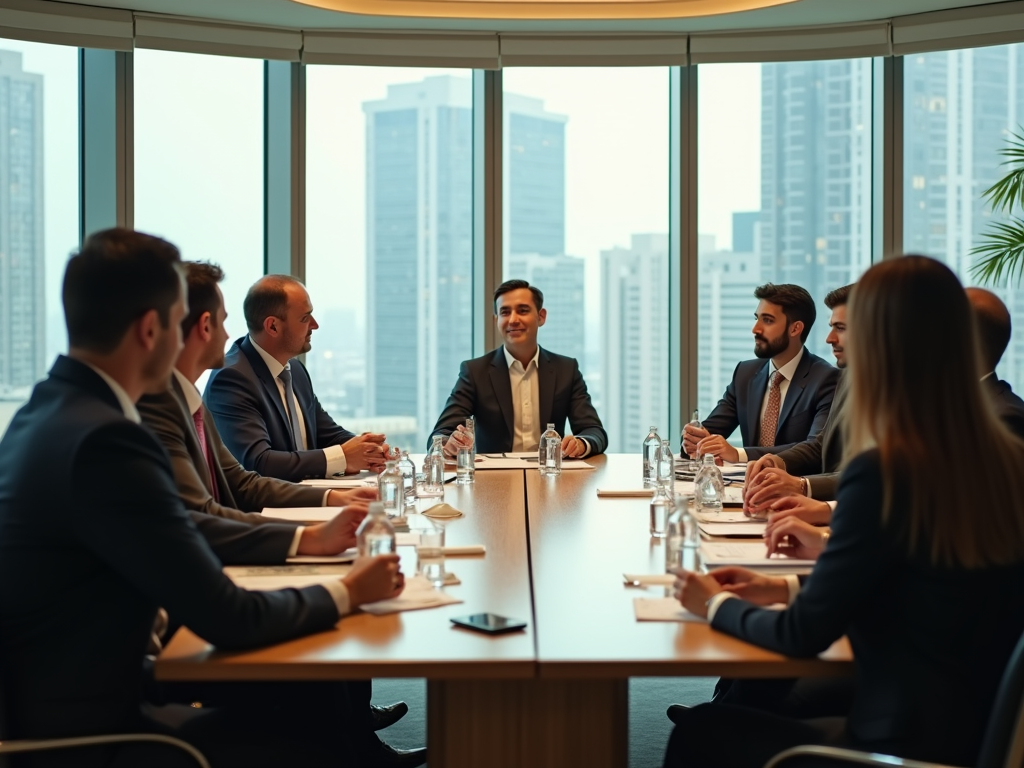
column 994, row 331
column 778, row 400
column 517, row 389
column 262, row 399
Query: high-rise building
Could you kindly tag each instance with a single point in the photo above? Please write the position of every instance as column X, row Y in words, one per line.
column 22, row 310
column 634, row 318
column 560, row 279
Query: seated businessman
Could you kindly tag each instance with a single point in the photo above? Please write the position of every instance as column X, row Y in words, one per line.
column 778, row 400
column 86, row 562
column 518, row 389
column 263, row 400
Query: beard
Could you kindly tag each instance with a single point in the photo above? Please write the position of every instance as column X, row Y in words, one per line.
column 766, row 348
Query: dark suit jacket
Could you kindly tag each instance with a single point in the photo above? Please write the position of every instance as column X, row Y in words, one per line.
column 242, row 494
column 250, row 415
column 818, row 459
column 804, row 411
column 927, row 673
column 1009, row 406
column 93, row 538
column 484, row 391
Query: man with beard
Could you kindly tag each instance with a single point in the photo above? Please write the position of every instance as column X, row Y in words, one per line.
column 778, row 400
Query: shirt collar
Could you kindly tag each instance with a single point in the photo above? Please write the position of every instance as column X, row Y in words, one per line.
column 127, row 406
column 193, row 399
column 789, row 368
column 990, row 374
column 271, row 361
column 512, row 361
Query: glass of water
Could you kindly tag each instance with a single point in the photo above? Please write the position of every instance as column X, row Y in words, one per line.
column 464, row 469
column 430, row 554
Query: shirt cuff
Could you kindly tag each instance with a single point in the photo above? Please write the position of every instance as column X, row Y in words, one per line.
column 742, row 458
column 715, row 602
column 810, row 493
column 339, row 592
column 327, row 495
column 831, row 505
column 336, row 461
column 293, row 550
column 586, row 443
column 793, row 585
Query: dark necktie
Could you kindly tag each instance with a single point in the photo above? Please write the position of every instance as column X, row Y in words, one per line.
column 197, row 419
column 770, row 420
column 293, row 415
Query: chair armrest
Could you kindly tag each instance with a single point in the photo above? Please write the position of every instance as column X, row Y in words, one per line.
column 846, row 757
column 36, row 745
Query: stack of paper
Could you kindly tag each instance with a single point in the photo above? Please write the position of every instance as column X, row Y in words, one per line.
column 662, row 609
column 417, row 595
column 521, row 461
column 750, row 554
column 747, row 530
column 362, row 480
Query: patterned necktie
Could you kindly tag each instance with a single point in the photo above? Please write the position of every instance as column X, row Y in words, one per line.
column 770, row 420
column 197, row 419
column 289, row 403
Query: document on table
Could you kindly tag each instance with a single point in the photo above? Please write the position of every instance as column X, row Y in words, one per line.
column 725, row 516
column 272, row 577
column 663, row 609
column 518, row 461
column 733, row 493
column 344, row 557
column 746, row 529
column 746, row 553
column 302, row 514
column 363, row 480
column 417, row 595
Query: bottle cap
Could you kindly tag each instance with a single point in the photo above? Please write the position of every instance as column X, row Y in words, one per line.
column 377, row 508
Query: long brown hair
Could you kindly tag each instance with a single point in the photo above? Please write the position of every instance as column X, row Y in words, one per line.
column 916, row 395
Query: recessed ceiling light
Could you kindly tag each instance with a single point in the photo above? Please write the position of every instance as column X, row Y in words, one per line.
column 544, row 9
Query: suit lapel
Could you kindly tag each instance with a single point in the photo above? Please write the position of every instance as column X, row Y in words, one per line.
column 304, row 394
column 195, row 450
column 796, row 389
column 267, row 381
column 835, row 416
column 755, row 396
column 546, row 385
column 503, row 390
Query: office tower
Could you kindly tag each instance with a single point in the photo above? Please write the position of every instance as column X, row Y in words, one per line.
column 816, row 172
column 960, row 108
column 635, row 318
column 22, row 311
column 419, row 250
column 743, row 225
column 560, row 279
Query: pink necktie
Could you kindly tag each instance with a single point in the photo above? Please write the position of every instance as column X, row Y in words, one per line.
column 770, row 420
column 197, row 417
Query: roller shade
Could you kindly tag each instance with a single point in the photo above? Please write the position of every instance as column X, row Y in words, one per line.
column 170, row 33
column 840, row 42
column 391, row 49
column 961, row 28
column 593, row 50
column 66, row 24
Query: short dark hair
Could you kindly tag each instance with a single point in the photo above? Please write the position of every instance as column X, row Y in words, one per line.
column 994, row 326
column 796, row 304
column 514, row 285
column 116, row 277
column 838, row 297
column 266, row 298
column 202, row 278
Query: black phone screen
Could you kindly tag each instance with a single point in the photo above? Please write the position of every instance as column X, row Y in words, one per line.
column 491, row 623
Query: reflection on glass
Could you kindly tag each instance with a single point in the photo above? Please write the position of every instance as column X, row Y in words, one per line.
column 959, row 109
column 389, row 243
column 784, row 196
column 39, row 179
column 586, row 159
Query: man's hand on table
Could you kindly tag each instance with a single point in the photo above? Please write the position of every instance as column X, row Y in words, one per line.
column 752, row 586
column 364, row 451
column 793, row 537
column 460, row 438
column 334, row 536
column 374, row 578
column 768, row 485
column 573, row 447
column 693, row 590
column 339, row 498
column 801, row 507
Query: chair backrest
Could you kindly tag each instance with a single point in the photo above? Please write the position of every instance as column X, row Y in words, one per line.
column 1003, row 745
column 4, row 762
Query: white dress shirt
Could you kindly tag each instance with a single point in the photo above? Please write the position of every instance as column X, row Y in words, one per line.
column 337, row 590
column 336, row 461
column 787, row 372
column 792, row 584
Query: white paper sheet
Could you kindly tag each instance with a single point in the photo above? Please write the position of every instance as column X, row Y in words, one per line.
column 364, row 480
column 725, row 516
column 663, row 609
column 345, row 557
column 302, row 514
column 733, row 493
column 748, row 529
column 651, row 579
column 283, row 577
column 746, row 553
column 489, row 461
column 417, row 595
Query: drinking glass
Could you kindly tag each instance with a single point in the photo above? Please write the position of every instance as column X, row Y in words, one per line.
column 430, row 554
column 464, row 469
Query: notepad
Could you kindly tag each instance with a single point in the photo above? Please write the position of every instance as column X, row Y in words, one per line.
column 747, row 529
column 356, row 481
column 663, row 609
column 417, row 595
column 746, row 553
column 302, row 514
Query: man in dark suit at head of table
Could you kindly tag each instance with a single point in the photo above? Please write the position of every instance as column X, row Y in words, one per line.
column 779, row 399
column 263, row 400
column 994, row 330
column 519, row 388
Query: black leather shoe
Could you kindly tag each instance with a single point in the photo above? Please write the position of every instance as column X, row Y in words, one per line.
column 387, row 756
column 387, row 715
column 676, row 713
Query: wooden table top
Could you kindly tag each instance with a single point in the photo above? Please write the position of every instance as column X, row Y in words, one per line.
column 413, row 643
column 580, row 546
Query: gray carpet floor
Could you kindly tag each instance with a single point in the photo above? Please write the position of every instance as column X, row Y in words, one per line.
column 648, row 727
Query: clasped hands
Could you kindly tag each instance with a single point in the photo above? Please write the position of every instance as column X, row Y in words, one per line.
column 769, row 489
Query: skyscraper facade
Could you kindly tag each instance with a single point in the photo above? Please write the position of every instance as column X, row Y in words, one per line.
column 560, row 278
column 22, row 310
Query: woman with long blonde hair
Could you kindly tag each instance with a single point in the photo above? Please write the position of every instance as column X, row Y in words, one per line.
column 924, row 568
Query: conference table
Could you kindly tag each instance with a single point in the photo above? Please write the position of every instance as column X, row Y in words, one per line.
column 554, row 694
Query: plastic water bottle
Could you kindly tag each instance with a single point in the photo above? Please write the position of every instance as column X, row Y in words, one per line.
column 391, row 487
column 433, row 471
column 695, row 457
column 543, row 449
column 662, row 505
column 471, row 431
column 408, row 470
column 666, row 470
column 554, row 462
column 376, row 535
column 650, row 450
column 681, row 533
column 708, row 488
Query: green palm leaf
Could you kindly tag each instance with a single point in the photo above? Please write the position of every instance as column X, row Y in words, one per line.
column 1001, row 253
column 1008, row 192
